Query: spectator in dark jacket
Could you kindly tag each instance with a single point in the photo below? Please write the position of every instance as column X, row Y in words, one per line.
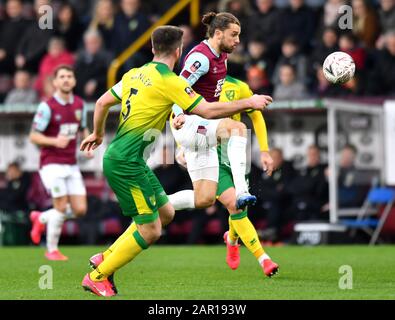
column 326, row 46
column 265, row 23
column 309, row 189
column 91, row 67
column 10, row 31
column 14, row 196
column 34, row 42
column 68, row 27
column 273, row 195
column 103, row 21
column 298, row 21
column 382, row 79
column 129, row 25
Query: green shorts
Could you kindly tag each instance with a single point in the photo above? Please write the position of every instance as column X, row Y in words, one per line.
column 138, row 190
column 225, row 178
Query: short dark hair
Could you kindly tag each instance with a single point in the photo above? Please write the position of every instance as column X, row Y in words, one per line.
column 221, row 21
column 63, row 67
column 351, row 147
column 166, row 39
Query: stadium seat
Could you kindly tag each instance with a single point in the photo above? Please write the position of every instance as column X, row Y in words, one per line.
column 378, row 197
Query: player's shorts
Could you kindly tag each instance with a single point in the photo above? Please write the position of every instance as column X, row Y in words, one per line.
column 225, row 180
column 138, row 190
column 62, row 180
column 202, row 165
column 198, row 137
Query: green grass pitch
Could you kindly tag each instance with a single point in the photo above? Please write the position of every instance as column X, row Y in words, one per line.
column 200, row 272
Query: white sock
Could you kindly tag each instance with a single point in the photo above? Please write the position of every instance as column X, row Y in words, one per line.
column 54, row 229
column 69, row 214
column 44, row 216
column 262, row 258
column 232, row 243
column 184, row 199
column 237, row 148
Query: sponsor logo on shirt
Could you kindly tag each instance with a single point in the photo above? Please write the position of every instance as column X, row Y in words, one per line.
column 189, row 91
column 78, row 114
column 195, row 66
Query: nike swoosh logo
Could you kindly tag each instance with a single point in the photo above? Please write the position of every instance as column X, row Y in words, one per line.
column 103, row 293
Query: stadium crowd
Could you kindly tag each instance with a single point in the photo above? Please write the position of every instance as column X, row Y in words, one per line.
column 282, row 59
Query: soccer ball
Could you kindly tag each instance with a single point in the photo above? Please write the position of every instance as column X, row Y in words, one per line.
column 338, row 67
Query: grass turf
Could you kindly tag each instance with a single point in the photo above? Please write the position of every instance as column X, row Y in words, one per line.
column 200, row 272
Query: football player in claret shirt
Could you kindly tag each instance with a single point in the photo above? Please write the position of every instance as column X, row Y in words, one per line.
column 56, row 126
column 147, row 95
column 205, row 70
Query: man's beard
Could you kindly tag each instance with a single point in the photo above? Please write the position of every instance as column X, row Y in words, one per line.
column 225, row 48
column 65, row 91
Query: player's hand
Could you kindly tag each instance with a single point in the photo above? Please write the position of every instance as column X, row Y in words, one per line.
column 267, row 163
column 260, row 101
column 62, row 141
column 180, row 157
column 88, row 154
column 91, row 142
column 179, row 121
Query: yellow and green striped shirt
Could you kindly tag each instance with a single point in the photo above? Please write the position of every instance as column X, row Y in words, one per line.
column 147, row 95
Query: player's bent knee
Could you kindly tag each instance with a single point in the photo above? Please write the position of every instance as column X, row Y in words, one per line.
column 167, row 216
column 237, row 128
column 204, row 202
column 80, row 212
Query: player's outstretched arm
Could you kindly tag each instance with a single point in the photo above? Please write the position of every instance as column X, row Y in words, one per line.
column 259, row 125
column 102, row 108
column 210, row 110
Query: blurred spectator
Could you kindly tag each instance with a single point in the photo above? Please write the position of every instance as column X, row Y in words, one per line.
column 91, row 67
column 129, row 25
column 331, row 13
column 387, row 15
column 48, row 89
column 326, row 46
column 23, row 91
column 258, row 81
column 259, row 56
column 365, row 22
column 382, row 77
column 236, row 62
column 188, row 42
column 11, row 30
column 103, row 21
column 34, row 42
column 56, row 56
column 387, row 20
column 68, row 27
column 289, row 87
column 273, row 197
column 298, row 21
column 242, row 10
column 324, row 88
column 309, row 189
column 291, row 55
column 265, row 24
column 350, row 194
column 14, row 196
column 348, row 43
